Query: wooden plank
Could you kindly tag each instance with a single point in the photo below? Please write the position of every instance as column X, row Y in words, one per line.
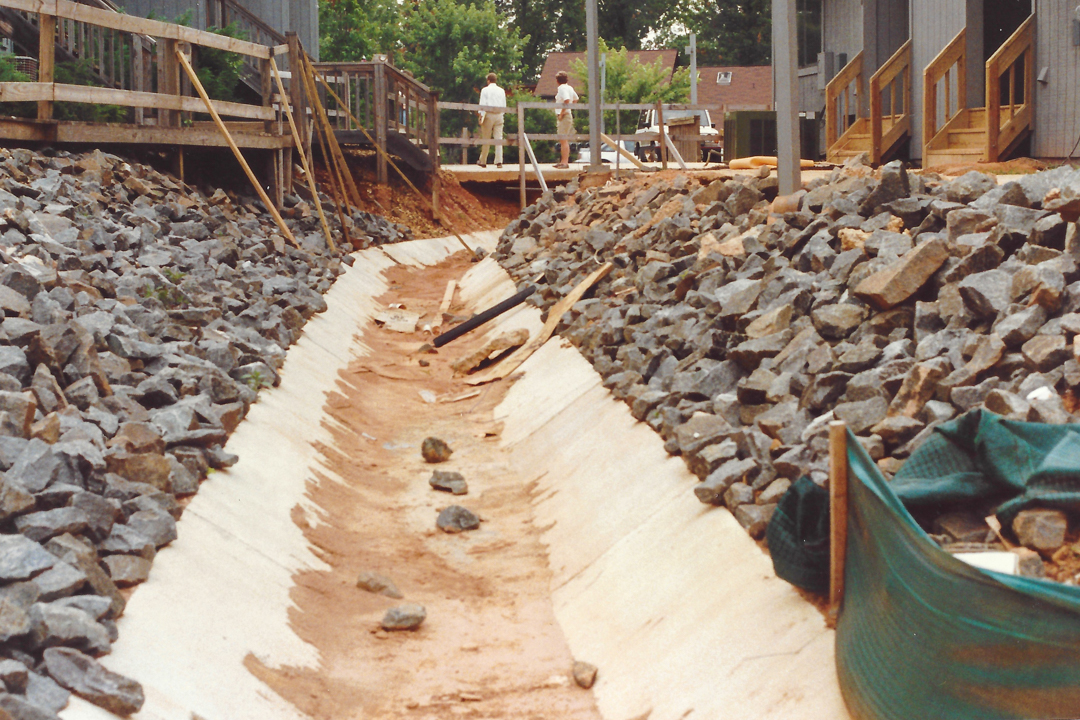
column 303, row 158
column 622, row 151
column 521, row 155
column 380, row 123
column 838, row 513
column 660, row 128
column 532, row 158
column 154, row 28
column 129, row 98
column 93, row 133
column 331, row 138
column 236, row 151
column 27, row 92
column 519, row 356
column 46, row 60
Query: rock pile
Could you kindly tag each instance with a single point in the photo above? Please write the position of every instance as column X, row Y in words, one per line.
column 889, row 300
column 140, row 319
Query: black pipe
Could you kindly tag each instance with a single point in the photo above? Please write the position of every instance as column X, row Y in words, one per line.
column 477, row 320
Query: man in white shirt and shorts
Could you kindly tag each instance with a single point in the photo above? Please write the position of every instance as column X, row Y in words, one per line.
column 491, row 123
column 565, row 95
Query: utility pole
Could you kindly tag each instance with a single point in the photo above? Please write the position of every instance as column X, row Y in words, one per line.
column 594, row 85
column 691, row 50
column 785, row 59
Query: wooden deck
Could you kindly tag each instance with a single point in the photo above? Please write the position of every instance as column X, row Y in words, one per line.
column 511, row 172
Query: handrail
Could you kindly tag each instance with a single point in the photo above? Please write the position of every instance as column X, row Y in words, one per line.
column 251, row 19
column 1019, row 46
column 839, row 103
column 953, row 55
column 898, row 66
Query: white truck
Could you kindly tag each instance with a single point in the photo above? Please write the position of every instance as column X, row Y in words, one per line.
column 649, row 150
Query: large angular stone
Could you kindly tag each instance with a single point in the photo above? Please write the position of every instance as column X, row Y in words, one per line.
column 40, row 526
column 54, row 625
column 836, row 322
column 88, row 679
column 22, row 558
column 749, row 354
column 920, row 384
column 1041, row 529
column 711, row 491
column 127, row 570
column 1046, row 352
column 148, row 468
column 16, row 600
column 755, row 518
column 158, row 526
column 902, row 279
column 700, row 430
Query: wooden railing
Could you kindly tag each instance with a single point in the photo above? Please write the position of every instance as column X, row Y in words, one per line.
column 844, row 97
column 1010, row 113
column 137, row 56
column 949, row 67
column 890, row 92
column 223, row 13
column 387, row 102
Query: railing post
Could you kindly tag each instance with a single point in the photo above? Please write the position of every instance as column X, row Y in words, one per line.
column 433, row 150
column 993, row 109
column 875, row 122
column 521, row 152
column 46, row 60
column 296, row 94
column 380, row 122
column 660, row 127
column 138, row 77
column 168, row 79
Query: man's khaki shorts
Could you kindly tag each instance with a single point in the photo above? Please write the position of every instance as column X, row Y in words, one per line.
column 566, row 124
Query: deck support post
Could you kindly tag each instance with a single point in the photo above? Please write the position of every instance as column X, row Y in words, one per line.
column 380, row 122
column 789, row 168
column 46, row 61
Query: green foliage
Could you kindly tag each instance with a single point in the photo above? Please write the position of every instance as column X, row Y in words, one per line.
column 173, row 276
column 219, row 70
column 8, row 73
column 255, row 380
column 168, row 296
column 631, row 81
column 729, row 32
column 81, row 72
column 351, row 30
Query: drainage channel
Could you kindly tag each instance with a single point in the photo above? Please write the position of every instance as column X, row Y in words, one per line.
column 591, row 548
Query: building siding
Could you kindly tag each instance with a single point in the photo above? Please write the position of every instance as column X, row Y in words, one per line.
column 934, row 23
column 1057, row 102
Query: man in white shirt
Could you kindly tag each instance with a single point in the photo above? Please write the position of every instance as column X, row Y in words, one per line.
column 491, row 123
column 565, row 95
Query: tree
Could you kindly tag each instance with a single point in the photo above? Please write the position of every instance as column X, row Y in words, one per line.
column 631, row 81
column 351, row 30
column 729, row 32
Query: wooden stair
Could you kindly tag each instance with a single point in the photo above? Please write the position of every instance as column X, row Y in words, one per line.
column 853, row 142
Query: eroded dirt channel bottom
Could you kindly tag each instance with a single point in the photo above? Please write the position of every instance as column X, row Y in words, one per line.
column 491, row 646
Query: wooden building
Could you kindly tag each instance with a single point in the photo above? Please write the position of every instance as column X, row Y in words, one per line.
column 942, row 81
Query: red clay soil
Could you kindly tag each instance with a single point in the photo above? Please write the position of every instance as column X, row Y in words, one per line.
column 491, row 646
column 1018, row 166
column 462, row 211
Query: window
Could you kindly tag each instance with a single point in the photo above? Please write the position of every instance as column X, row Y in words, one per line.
column 808, row 28
column 723, row 78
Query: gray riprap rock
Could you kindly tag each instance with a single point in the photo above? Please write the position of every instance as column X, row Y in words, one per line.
column 449, row 481
column 60, row 581
column 14, row 500
column 56, row 625
column 435, row 450
column 455, row 519
column 18, row 707
column 43, row 691
column 738, row 494
column 711, row 491
column 14, row 675
column 1009, row 405
column 861, row 416
column 84, row 556
column 1041, row 529
column 774, row 491
column 703, row 462
column 1017, row 328
column 893, row 186
column 379, row 584
column 897, row 430
column 700, row 430
column 1046, row 352
column 404, row 617
column 836, row 322
column 93, row 605
column 969, row 187
column 13, row 362
column 127, row 570
column 964, row 527
column 750, row 353
column 40, row 526
column 126, row 540
column 972, row 396
column 22, row 558
column 15, row 603
column 755, row 518
column 988, row 293
column 88, row 679
column 157, row 525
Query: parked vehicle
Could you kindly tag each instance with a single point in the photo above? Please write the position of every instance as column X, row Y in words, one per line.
column 607, row 153
column 649, row 151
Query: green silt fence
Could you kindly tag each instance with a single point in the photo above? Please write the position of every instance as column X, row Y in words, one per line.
column 924, row 636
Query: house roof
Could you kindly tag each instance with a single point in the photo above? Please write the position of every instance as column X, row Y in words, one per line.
column 556, row 61
column 748, row 87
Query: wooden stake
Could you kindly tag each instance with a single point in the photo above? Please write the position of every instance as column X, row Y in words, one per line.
column 838, row 513
column 382, row 153
column 236, row 150
column 660, row 127
column 303, row 158
column 622, row 151
column 328, row 129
